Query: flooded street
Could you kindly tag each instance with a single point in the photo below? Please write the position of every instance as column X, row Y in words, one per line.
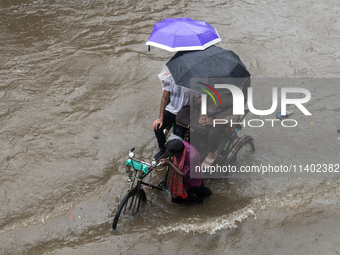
column 79, row 88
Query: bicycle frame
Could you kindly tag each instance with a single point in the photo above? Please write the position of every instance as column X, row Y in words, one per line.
column 142, row 175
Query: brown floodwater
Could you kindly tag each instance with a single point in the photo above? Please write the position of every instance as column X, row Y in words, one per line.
column 79, row 88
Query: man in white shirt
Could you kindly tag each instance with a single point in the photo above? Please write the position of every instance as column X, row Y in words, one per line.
column 173, row 99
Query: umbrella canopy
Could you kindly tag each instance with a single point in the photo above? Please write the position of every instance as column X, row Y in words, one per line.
column 183, row 34
column 213, row 63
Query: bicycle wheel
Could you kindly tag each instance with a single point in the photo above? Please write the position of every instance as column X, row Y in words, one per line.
column 242, row 151
column 130, row 205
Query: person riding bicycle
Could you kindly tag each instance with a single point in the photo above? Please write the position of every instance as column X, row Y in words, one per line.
column 184, row 188
column 173, row 99
column 213, row 133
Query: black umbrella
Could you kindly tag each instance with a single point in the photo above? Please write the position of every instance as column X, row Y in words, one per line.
column 212, row 63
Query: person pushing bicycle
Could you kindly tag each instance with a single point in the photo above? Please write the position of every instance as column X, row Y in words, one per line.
column 183, row 188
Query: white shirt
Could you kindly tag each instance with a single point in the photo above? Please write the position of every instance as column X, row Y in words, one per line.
column 179, row 95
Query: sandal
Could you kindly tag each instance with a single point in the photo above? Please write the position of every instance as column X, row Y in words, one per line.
column 207, row 162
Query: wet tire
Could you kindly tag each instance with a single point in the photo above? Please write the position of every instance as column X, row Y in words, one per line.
column 242, row 151
column 130, row 205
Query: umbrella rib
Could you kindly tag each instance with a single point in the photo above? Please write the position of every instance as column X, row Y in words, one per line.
column 174, row 38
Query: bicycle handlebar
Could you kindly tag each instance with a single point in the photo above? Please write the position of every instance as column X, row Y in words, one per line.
column 153, row 163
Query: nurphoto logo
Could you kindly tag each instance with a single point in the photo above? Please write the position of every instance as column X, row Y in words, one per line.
column 239, row 99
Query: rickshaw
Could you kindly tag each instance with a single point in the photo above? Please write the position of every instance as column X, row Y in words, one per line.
column 231, row 149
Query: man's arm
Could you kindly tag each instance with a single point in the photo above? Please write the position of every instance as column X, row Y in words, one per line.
column 164, row 102
column 175, row 168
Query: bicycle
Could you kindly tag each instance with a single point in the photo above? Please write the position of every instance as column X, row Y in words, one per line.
column 137, row 169
column 232, row 149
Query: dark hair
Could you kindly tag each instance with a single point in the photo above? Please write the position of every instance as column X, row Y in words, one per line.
column 175, row 146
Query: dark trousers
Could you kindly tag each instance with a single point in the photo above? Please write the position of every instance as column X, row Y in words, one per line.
column 214, row 136
column 168, row 119
column 208, row 141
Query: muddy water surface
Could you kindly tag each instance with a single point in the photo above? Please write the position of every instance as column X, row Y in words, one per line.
column 78, row 89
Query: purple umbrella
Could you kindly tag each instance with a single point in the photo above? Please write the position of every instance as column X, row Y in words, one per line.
column 183, row 34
